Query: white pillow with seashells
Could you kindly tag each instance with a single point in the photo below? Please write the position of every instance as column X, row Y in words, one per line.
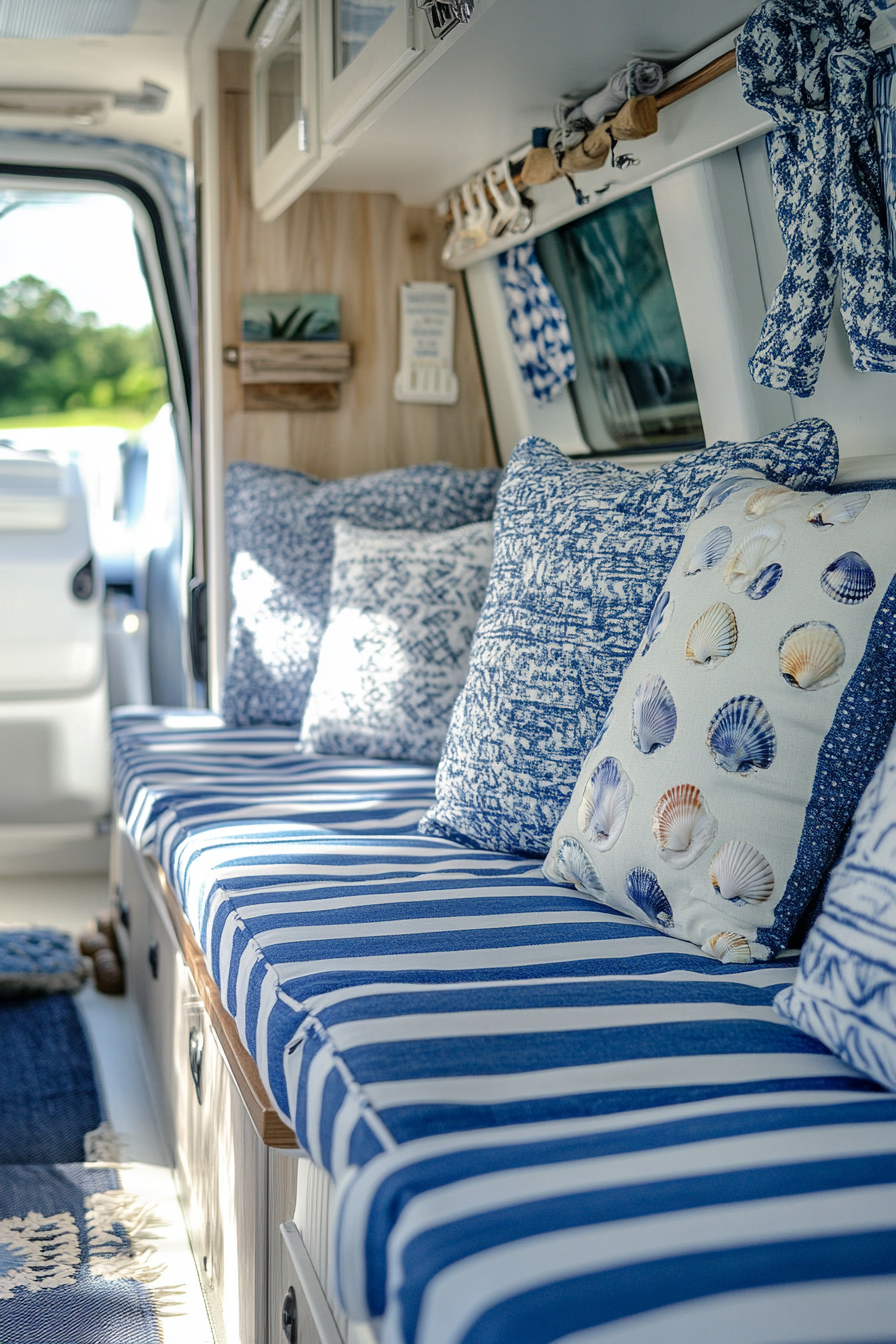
column 747, row 724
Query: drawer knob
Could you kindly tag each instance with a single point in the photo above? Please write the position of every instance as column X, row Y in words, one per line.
column 196, row 1048
column 290, row 1317
column 152, row 956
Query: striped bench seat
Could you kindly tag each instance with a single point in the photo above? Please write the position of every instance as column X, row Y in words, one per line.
column 544, row 1120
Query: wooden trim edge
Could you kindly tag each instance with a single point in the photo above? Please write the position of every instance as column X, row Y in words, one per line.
column 270, row 1128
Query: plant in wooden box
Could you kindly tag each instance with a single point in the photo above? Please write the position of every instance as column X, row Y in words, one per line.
column 291, row 357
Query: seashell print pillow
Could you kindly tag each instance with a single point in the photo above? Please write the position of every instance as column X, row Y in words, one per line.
column 753, row 714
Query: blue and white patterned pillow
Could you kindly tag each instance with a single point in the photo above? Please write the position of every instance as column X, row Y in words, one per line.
column 394, row 656
column 280, row 539
column 845, row 992
column 581, row 552
column 748, row 723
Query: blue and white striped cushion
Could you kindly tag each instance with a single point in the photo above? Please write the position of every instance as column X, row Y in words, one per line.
column 748, row 1220
column 414, row 1004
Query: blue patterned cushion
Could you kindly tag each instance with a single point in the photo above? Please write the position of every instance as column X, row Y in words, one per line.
column 581, row 551
column 845, row 992
column 280, row 538
column 394, row 656
column 748, row 723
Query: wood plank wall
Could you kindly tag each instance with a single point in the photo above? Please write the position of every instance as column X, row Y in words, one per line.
column 360, row 246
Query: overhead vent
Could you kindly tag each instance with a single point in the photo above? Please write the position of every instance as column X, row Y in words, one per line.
column 66, row 18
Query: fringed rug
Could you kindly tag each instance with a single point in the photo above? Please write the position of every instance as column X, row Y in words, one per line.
column 79, row 1262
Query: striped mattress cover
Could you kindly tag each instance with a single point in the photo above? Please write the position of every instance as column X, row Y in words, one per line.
column 544, row 1120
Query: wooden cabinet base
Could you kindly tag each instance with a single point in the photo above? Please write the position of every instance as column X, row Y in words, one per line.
column 291, row 397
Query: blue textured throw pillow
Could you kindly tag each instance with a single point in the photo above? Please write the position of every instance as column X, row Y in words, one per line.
column 394, row 656
column 581, row 552
column 845, row 992
column 280, row 539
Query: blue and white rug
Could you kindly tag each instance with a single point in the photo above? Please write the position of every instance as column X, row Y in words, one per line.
column 79, row 1255
column 77, row 1259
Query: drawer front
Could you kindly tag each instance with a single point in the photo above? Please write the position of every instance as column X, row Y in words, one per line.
column 152, row 980
column 299, row 1307
column 221, row 1169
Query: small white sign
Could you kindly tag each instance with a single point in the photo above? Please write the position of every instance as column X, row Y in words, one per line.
column 426, row 372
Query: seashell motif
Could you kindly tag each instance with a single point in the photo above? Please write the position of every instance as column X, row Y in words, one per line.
column 810, row 655
column 604, row 804
column 848, row 579
column 765, row 581
column 643, row 889
column 574, row 866
column 712, row 636
column 718, row 492
column 739, row 873
column 657, row 620
column 835, row 509
column 710, row 550
column 728, row 947
column 682, row 825
column 654, row 719
column 741, row 735
column 757, row 549
column 767, row 498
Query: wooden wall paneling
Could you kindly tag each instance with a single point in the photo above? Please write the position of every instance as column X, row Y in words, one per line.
column 361, row 246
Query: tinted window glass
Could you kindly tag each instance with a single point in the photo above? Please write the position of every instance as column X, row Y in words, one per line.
column 634, row 388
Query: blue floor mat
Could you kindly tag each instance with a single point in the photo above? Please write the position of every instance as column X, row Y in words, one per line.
column 57, row 1285
column 48, row 1091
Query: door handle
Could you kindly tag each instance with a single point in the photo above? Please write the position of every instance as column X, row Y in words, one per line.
column 197, row 1046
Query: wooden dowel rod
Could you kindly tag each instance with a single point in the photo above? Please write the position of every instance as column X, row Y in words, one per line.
column 705, row 75
column 720, row 66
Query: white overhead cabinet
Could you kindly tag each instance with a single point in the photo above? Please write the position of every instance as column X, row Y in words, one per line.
column 365, row 46
column 320, row 70
column 285, row 104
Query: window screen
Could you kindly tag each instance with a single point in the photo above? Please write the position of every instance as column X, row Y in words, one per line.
column 634, row 388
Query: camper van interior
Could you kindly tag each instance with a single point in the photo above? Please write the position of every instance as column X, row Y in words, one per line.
column 447, row 672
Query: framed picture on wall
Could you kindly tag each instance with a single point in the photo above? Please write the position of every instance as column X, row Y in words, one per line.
column 290, row 317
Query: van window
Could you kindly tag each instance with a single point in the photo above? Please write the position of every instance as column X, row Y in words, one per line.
column 83, row 381
column 634, row 388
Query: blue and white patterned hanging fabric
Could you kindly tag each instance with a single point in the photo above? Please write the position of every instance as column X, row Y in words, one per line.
column 885, row 115
column 808, row 63
column 537, row 321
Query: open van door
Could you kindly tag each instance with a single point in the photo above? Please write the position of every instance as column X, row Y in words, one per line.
column 142, row 529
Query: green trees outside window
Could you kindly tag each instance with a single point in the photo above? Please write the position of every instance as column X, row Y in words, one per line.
column 59, row 364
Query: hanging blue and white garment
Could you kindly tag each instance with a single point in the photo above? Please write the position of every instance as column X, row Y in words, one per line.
column 808, row 63
column 537, row 321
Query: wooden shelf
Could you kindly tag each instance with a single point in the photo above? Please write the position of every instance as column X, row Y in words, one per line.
column 295, row 362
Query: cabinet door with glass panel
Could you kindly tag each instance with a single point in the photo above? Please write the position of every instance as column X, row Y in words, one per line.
column 365, row 46
column 285, row 131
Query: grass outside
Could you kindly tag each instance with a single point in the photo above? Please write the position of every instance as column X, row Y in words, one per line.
column 120, row 417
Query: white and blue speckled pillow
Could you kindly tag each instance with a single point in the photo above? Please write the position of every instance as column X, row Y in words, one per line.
column 280, row 539
column 845, row 992
column 394, row 656
column 581, row 551
column 748, row 723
